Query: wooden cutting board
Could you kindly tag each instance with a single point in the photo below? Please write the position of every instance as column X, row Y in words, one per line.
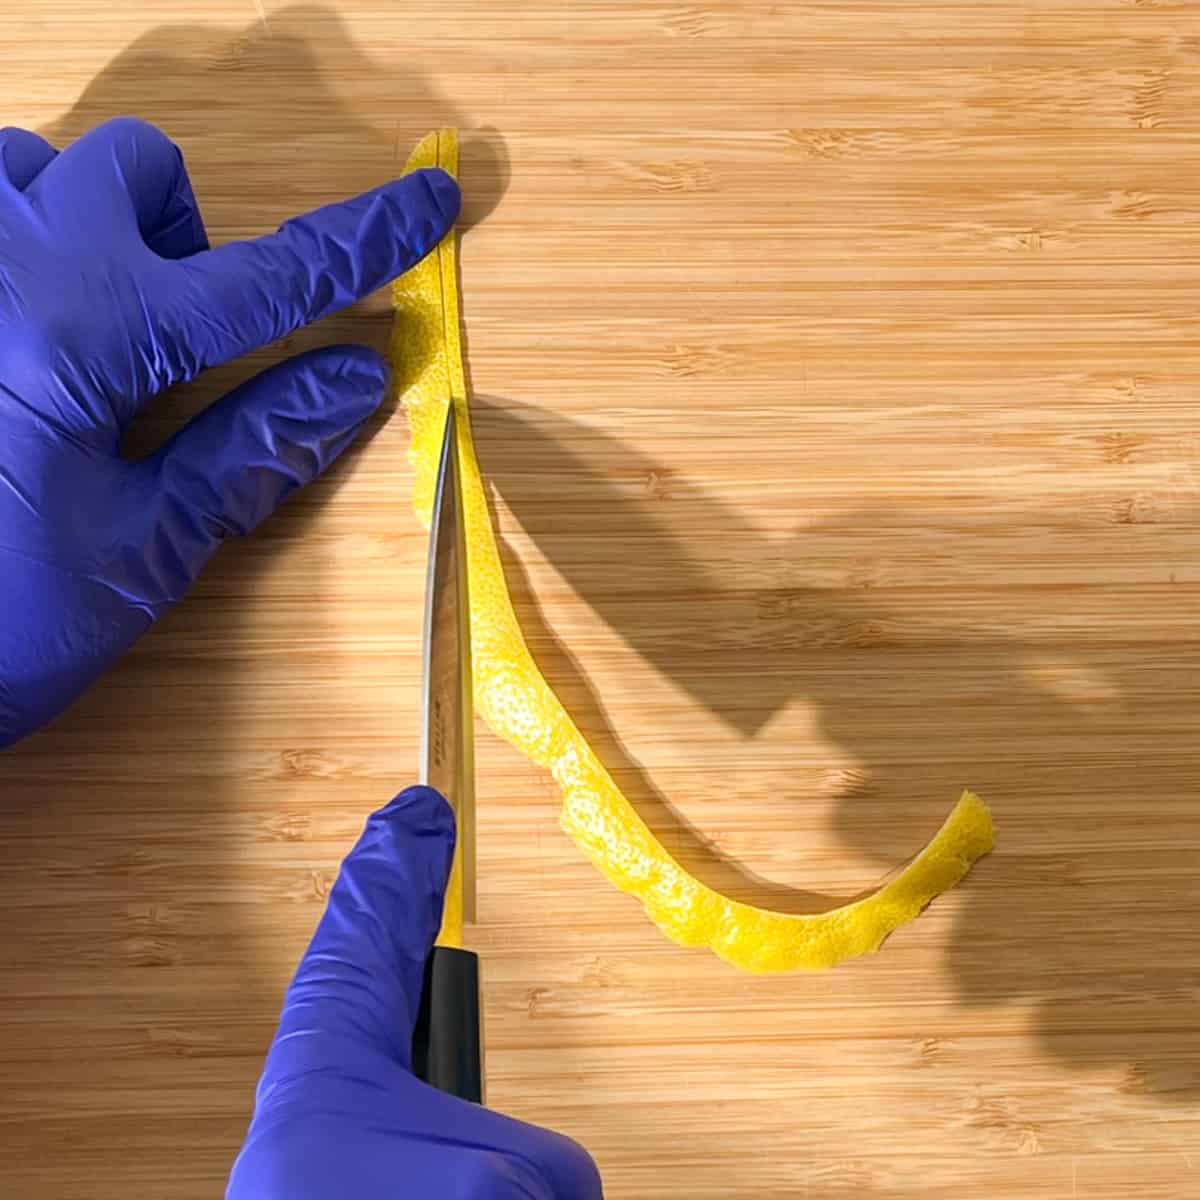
column 837, row 374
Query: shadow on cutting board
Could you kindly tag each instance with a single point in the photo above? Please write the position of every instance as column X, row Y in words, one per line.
column 131, row 828
column 1088, row 911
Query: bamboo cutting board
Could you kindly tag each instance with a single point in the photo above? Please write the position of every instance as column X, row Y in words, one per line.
column 837, row 372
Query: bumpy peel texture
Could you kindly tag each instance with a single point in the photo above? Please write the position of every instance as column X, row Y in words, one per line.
column 520, row 706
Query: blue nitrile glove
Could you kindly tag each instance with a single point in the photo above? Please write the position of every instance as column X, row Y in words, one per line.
column 339, row 1115
column 109, row 293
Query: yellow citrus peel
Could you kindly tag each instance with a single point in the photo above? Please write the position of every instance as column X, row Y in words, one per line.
column 520, row 706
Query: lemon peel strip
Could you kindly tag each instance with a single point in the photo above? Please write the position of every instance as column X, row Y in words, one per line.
column 520, row 706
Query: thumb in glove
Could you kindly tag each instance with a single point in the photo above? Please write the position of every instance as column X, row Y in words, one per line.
column 339, row 1112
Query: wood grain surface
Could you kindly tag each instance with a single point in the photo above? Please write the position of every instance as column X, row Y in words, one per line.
column 837, row 368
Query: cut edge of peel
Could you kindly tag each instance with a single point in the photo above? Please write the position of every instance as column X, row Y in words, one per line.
column 520, row 706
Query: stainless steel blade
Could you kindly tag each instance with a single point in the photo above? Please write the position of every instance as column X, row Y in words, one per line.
column 447, row 730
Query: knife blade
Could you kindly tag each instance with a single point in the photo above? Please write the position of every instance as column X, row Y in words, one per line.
column 447, row 1042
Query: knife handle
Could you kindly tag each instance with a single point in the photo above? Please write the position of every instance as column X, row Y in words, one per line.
column 447, row 1046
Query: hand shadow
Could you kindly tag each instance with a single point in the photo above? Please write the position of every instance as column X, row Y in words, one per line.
column 134, row 968
column 1087, row 912
column 277, row 118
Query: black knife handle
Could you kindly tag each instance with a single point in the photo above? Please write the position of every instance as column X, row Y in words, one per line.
column 447, row 1046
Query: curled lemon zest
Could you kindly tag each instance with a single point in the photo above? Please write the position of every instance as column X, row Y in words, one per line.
column 520, row 706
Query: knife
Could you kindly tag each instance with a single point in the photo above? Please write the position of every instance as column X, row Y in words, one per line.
column 447, row 1041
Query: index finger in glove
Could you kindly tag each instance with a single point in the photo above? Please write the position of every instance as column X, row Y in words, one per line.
column 243, row 295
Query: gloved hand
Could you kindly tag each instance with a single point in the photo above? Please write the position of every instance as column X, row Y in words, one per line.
column 339, row 1113
column 109, row 293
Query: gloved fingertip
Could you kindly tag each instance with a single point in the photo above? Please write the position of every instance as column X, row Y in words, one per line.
column 418, row 210
column 351, row 381
column 444, row 192
column 418, row 809
column 125, row 127
column 365, row 366
column 23, row 155
column 239, row 459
